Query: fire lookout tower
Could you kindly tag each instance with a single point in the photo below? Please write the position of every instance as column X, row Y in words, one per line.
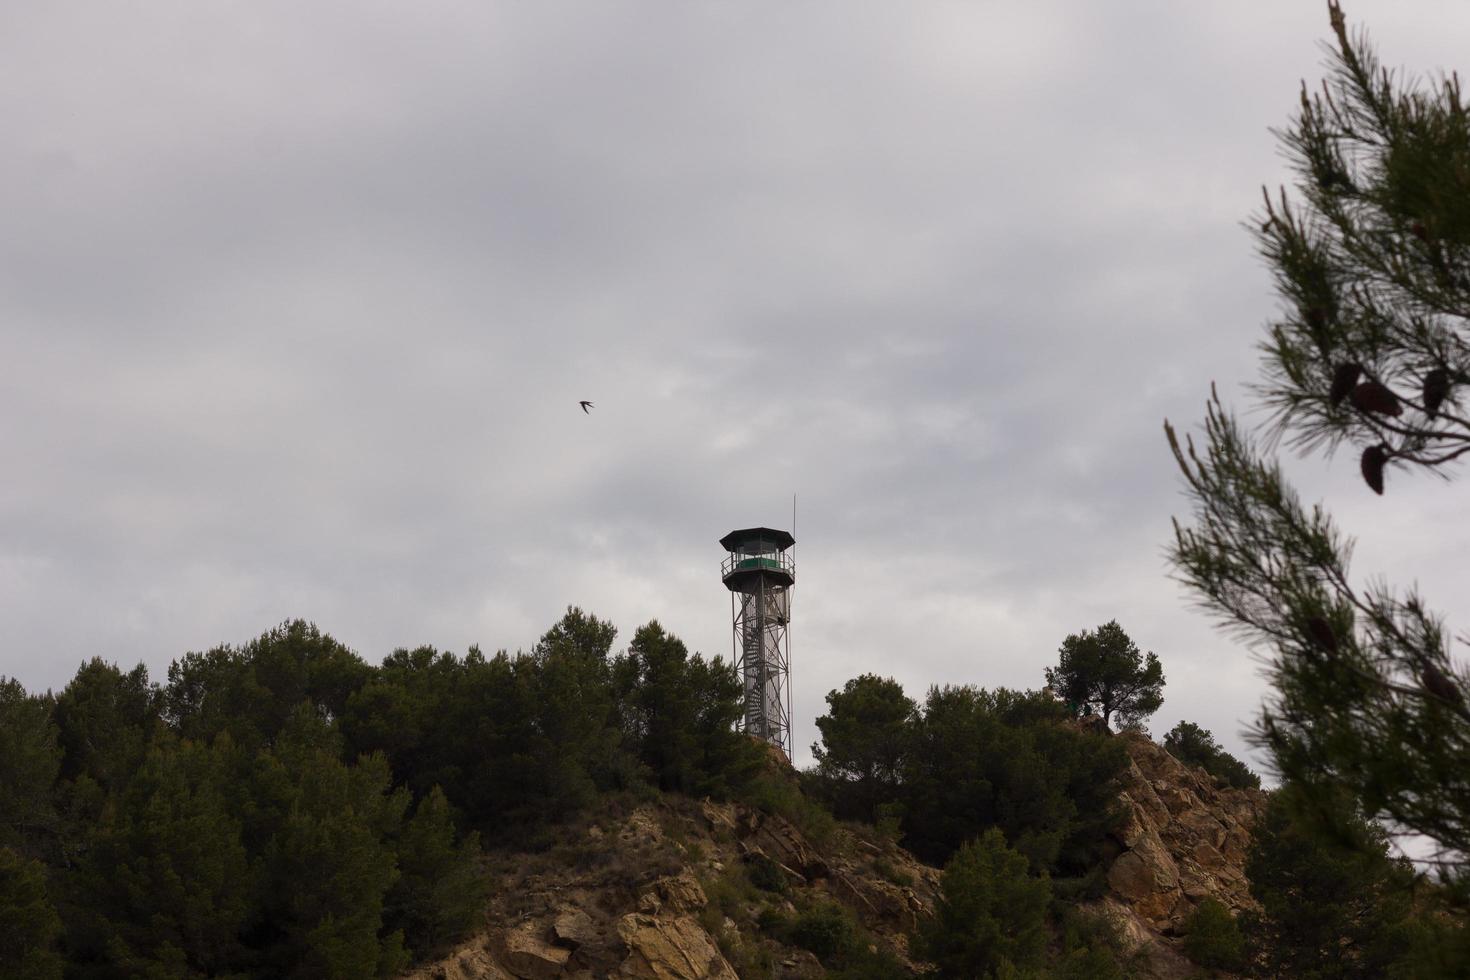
column 759, row 574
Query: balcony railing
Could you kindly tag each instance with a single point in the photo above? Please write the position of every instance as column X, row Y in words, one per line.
column 751, row 563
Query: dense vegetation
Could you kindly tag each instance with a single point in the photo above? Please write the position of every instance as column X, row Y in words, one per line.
column 968, row 760
column 285, row 809
column 1196, row 746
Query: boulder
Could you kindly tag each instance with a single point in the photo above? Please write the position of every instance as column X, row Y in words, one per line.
column 681, row 892
column 641, row 829
column 572, row 928
column 670, row 948
column 529, row 957
column 471, row 961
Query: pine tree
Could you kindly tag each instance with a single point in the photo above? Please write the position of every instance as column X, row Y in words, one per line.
column 1326, row 911
column 1196, row 746
column 164, row 885
column 29, row 925
column 991, row 914
column 29, row 762
column 865, row 737
column 440, row 891
column 1372, row 262
column 326, row 856
column 1105, row 670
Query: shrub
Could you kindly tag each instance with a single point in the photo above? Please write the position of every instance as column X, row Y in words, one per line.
column 1213, row 938
column 766, row 874
column 31, row 924
column 991, row 914
column 889, row 872
column 1092, row 949
column 772, row 793
column 1195, row 746
column 826, row 929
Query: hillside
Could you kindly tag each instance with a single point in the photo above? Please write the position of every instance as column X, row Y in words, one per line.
column 678, row 889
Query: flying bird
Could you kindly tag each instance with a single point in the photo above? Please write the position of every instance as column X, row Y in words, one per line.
column 586, row 405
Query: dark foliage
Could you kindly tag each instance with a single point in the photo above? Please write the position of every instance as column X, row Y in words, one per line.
column 1327, row 911
column 1195, row 746
column 967, row 761
column 285, row 809
column 29, row 925
column 1212, row 937
column 991, row 915
column 864, row 746
column 30, row 760
column 1006, row 760
column 1104, row 671
column 678, row 713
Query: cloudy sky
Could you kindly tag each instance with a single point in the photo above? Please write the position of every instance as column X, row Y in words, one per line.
column 297, row 301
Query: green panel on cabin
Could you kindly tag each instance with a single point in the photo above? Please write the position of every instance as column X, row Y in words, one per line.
column 770, row 563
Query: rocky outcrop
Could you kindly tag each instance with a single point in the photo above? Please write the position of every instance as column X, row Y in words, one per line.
column 630, row 895
column 1184, row 838
column 654, row 892
column 530, row 957
column 670, row 948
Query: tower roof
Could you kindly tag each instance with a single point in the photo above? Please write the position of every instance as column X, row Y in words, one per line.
column 781, row 539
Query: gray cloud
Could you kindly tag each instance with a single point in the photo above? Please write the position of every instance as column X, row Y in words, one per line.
column 297, row 302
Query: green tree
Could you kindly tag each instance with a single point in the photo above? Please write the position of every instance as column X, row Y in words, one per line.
column 29, row 925
column 1196, row 746
column 864, row 737
column 1371, row 258
column 1326, row 911
column 680, row 712
column 575, row 744
column 165, row 886
column 1212, row 937
column 323, row 832
column 30, row 759
column 105, row 720
column 1105, row 670
column 251, row 691
column 982, row 759
column 440, row 891
column 991, row 914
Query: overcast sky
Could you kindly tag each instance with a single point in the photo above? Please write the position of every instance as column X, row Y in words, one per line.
column 297, row 301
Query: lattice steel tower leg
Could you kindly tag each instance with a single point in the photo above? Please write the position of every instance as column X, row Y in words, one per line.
column 760, row 573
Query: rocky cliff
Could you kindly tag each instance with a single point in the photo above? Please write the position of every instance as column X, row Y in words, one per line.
column 663, row 890
column 1184, row 838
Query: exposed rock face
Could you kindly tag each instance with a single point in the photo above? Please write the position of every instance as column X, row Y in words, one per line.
column 529, row 957
column 670, row 948
column 647, row 894
column 1183, row 838
column 630, row 898
column 472, row 961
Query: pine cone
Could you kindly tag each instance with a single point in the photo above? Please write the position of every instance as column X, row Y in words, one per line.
column 1322, row 634
column 1436, row 386
column 1343, row 380
column 1435, row 682
column 1372, row 465
column 1370, row 396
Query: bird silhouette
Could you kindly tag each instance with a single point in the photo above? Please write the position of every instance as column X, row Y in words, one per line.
column 586, row 405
